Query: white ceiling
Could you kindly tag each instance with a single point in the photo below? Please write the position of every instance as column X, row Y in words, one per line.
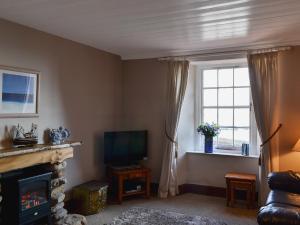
column 153, row 28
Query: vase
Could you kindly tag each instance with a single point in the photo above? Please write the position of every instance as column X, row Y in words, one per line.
column 208, row 145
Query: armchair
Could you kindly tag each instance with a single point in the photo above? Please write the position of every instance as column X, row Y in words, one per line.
column 283, row 203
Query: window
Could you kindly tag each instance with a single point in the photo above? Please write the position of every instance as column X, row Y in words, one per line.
column 225, row 99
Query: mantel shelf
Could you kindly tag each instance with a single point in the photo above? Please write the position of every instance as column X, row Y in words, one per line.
column 36, row 148
column 19, row 158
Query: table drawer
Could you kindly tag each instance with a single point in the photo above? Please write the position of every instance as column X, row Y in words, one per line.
column 136, row 175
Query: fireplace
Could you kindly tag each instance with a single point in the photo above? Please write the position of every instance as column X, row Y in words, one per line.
column 26, row 198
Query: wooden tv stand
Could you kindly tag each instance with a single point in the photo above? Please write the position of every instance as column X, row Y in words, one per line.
column 122, row 175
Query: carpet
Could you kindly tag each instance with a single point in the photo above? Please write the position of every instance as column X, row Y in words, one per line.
column 146, row 216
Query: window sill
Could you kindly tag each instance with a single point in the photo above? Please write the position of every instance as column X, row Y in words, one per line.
column 224, row 154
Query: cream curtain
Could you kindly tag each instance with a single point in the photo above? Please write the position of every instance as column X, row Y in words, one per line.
column 177, row 82
column 263, row 72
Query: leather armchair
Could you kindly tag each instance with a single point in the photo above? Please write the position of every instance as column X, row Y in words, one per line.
column 283, row 203
column 285, row 181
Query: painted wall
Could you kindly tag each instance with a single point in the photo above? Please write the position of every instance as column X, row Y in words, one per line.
column 289, row 70
column 144, row 102
column 210, row 170
column 80, row 88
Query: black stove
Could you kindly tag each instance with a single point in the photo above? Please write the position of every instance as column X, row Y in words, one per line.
column 26, row 198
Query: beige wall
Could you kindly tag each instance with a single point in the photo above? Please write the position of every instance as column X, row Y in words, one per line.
column 210, row 170
column 289, row 70
column 80, row 88
column 144, row 103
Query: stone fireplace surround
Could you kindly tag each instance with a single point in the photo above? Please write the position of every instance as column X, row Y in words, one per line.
column 53, row 157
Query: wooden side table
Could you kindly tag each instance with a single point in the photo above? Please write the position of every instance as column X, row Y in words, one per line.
column 130, row 174
column 240, row 181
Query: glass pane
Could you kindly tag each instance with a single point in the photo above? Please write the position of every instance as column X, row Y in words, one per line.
column 226, row 117
column 33, row 195
column 210, row 78
column 241, row 135
column 225, row 138
column 241, row 96
column 209, row 97
column 242, row 117
column 225, row 77
column 241, row 77
column 210, row 116
column 225, row 97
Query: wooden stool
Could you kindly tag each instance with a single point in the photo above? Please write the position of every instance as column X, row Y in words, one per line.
column 240, row 181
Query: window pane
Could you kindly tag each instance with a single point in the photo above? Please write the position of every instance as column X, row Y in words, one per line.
column 225, row 77
column 210, row 116
column 241, row 117
column 225, row 97
column 210, row 78
column 241, row 136
column 241, row 96
column 241, row 77
column 209, row 97
column 226, row 117
column 225, row 138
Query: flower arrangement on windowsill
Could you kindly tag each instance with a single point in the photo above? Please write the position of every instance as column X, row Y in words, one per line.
column 209, row 131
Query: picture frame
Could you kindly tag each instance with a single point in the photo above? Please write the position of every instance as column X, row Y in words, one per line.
column 19, row 92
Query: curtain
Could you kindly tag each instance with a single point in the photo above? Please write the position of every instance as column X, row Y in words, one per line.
column 263, row 73
column 177, row 82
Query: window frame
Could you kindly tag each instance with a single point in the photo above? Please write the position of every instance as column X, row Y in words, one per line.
column 254, row 137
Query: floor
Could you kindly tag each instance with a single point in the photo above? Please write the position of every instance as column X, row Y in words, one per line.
column 191, row 204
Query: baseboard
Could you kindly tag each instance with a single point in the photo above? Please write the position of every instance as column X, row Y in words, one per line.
column 210, row 191
column 202, row 189
column 195, row 189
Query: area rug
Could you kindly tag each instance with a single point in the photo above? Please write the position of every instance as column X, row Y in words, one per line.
column 146, row 216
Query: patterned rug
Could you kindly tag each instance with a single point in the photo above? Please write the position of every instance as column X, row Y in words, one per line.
column 145, row 216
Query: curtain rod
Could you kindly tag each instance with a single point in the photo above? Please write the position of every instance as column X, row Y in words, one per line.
column 223, row 53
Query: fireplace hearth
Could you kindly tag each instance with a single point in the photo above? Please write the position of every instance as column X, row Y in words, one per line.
column 26, row 198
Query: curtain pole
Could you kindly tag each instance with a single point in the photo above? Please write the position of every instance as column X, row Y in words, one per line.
column 277, row 49
column 238, row 52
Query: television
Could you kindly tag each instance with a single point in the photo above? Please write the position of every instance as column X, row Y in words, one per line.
column 122, row 148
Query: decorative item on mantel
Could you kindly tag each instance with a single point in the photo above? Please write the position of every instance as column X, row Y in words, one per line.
column 59, row 136
column 22, row 138
column 209, row 131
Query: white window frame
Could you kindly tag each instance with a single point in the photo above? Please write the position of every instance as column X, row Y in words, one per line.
column 254, row 138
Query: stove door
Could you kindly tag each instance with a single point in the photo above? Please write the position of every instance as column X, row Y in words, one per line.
column 33, row 194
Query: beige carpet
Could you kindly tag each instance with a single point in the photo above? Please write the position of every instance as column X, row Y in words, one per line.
column 190, row 204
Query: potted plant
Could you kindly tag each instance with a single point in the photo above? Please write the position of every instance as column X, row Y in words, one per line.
column 209, row 131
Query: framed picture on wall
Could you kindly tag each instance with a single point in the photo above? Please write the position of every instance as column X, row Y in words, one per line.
column 19, row 90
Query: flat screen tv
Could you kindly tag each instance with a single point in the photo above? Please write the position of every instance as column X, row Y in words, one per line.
column 125, row 147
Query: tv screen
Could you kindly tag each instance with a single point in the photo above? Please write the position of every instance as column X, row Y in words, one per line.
column 125, row 147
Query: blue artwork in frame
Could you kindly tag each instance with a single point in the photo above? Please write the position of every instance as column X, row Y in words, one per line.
column 17, row 88
column 19, row 92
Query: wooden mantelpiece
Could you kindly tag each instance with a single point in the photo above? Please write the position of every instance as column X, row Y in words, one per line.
column 18, row 158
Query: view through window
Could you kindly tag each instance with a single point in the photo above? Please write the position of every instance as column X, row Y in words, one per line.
column 226, row 101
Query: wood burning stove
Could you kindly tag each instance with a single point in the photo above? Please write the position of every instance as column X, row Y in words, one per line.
column 26, row 199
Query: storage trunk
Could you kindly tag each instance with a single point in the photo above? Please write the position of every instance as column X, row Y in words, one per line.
column 90, row 198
